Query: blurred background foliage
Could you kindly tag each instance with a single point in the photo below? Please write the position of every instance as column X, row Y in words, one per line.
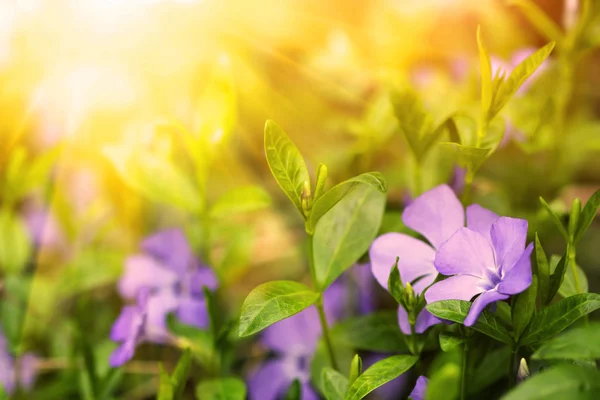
column 119, row 118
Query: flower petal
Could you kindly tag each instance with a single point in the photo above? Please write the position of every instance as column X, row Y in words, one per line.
column 28, row 369
column 480, row 303
column 458, row 287
column 159, row 305
column 508, row 237
column 193, row 312
column 296, row 335
column 519, row 277
column 418, row 393
column 125, row 325
column 480, row 220
column 269, row 381
column 172, row 248
column 424, row 320
column 415, row 259
column 203, row 277
column 308, row 393
column 143, row 271
column 436, row 214
column 466, row 252
column 122, row 354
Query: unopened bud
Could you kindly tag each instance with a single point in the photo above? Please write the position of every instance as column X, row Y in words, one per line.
column 306, row 198
column 523, row 370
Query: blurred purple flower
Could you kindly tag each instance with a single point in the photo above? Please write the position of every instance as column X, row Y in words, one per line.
column 130, row 329
column 418, row 392
column 44, row 229
column 488, row 259
column 175, row 277
column 21, row 372
column 294, row 340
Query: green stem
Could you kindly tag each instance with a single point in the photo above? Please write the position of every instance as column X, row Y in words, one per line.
column 512, row 373
column 573, row 266
column 466, row 194
column 463, row 371
column 319, row 304
column 417, row 177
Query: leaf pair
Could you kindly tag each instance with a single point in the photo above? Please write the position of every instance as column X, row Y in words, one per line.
column 579, row 219
column 338, row 387
column 172, row 387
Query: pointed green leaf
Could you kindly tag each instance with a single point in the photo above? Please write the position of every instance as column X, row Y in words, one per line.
column 378, row 331
column 517, row 77
column 166, row 391
column 457, row 310
column 286, row 163
column 582, row 343
column 15, row 242
column 395, row 286
column 450, row 340
column 355, row 369
column 335, row 385
column 589, row 212
column 569, row 286
column 378, row 374
column 523, row 307
column 333, row 196
column 485, row 66
column 345, row 233
column 221, row 389
column 543, row 271
column 181, row 374
column 272, row 302
column 574, row 218
column 294, row 392
column 559, row 316
column 555, row 219
column 538, row 18
column 240, row 200
column 467, row 156
column 415, row 124
column 562, row 382
column 557, row 277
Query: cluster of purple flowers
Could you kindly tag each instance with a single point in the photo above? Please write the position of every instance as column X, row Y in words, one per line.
column 164, row 278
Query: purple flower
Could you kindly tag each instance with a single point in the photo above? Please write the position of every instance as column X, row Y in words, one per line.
column 488, row 259
column 21, row 372
column 175, row 277
column 418, row 392
column 436, row 214
column 44, row 229
column 294, row 340
column 130, row 329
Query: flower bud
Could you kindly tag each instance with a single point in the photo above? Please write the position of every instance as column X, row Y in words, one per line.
column 523, row 370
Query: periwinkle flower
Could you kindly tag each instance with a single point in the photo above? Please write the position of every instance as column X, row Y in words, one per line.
column 130, row 329
column 21, row 372
column 436, row 214
column 175, row 277
column 487, row 259
column 418, row 393
column 294, row 341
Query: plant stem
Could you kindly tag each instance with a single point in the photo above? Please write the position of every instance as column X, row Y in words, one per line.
column 463, row 371
column 417, row 179
column 573, row 266
column 466, row 194
column 319, row 305
column 512, row 374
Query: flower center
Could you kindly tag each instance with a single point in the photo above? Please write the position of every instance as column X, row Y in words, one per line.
column 491, row 279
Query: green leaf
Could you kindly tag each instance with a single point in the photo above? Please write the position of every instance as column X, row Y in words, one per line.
column 110, row 382
column 345, row 233
column 558, row 316
column 558, row 276
column 444, row 383
column 469, row 157
column 166, row 391
column 181, row 374
column 221, row 389
column 517, row 77
column 378, row 374
column 543, row 271
column 589, row 212
column 538, row 18
column 574, row 218
column 199, row 341
column 582, row 343
column 457, row 310
column 555, row 219
column 485, row 66
column 378, row 331
column 333, row 196
column 15, row 243
column 569, row 287
column 335, row 385
column 286, row 163
column 482, row 375
column 294, row 392
column 155, row 177
column 395, row 285
column 450, row 340
column 272, row 302
column 523, row 307
column 562, row 382
column 240, row 200
column 414, row 122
